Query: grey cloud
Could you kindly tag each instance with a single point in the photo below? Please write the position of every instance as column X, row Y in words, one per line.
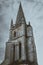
column 38, row 6
column 0, row 7
column 30, row 0
column 3, row 28
column 1, row 18
column 0, row 39
column 2, row 53
column 35, row 4
column 41, row 7
column 40, row 17
column 5, row 3
column 3, row 24
column 37, row 1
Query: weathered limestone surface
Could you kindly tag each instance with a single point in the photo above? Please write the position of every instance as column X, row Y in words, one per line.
column 20, row 48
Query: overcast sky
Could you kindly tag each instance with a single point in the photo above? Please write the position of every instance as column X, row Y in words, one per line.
column 33, row 11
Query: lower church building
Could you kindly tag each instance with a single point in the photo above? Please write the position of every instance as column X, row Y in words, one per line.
column 20, row 48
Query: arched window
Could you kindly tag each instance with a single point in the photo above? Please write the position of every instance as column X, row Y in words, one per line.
column 14, row 34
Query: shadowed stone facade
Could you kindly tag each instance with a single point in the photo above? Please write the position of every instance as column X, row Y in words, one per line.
column 20, row 48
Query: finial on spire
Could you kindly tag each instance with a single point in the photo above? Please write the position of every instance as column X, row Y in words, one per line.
column 20, row 6
column 29, row 23
column 11, row 22
column 20, row 3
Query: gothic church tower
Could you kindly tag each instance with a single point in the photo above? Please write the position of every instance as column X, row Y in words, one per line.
column 20, row 48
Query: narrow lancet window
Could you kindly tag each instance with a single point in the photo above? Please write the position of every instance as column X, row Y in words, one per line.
column 19, row 50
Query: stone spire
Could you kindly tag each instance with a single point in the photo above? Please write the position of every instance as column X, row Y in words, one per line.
column 20, row 16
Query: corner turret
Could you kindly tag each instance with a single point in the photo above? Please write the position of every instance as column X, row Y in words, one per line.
column 29, row 30
column 11, row 24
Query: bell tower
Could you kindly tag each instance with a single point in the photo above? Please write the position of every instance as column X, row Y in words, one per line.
column 20, row 48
